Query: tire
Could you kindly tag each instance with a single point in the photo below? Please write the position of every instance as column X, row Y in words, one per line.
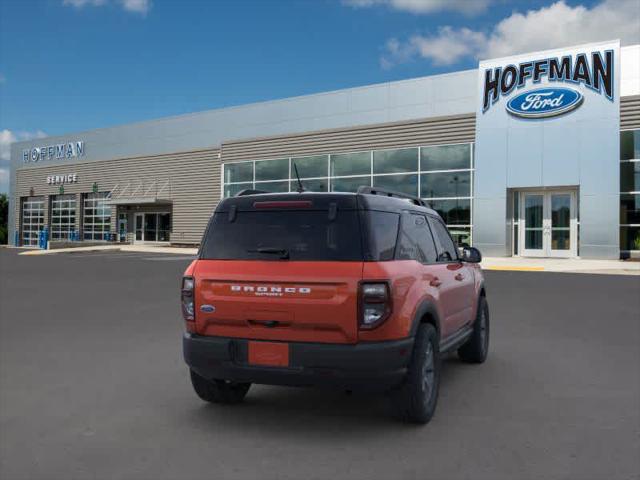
column 218, row 391
column 477, row 347
column 416, row 399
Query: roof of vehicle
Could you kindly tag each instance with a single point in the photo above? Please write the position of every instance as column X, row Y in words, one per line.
column 323, row 201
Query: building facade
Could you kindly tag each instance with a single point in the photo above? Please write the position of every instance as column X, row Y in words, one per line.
column 531, row 155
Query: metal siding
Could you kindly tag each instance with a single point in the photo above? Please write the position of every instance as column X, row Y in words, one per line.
column 630, row 112
column 444, row 130
column 194, row 180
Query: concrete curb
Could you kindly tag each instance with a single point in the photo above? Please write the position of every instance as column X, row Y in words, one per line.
column 116, row 248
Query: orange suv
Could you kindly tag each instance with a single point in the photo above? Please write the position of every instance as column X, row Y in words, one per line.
column 352, row 290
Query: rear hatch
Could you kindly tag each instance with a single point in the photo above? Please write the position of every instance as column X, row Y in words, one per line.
column 281, row 267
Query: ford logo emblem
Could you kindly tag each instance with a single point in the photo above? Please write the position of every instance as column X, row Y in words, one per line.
column 207, row 308
column 544, row 102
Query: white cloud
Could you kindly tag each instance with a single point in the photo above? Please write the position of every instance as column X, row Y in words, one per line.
column 137, row 6
column 7, row 137
column 556, row 25
column 82, row 3
column 468, row 7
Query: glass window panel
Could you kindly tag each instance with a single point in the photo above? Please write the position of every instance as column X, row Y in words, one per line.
column 560, row 240
column 310, row 166
column 238, row 172
column 398, row 183
column 560, row 211
column 447, row 249
column 349, row 184
column 445, row 157
column 630, row 177
column 351, row 164
column 630, row 145
column 533, row 239
column 630, row 238
column 383, row 228
column 453, row 184
column 453, row 212
column 629, row 209
column 272, row 169
column 231, row 190
column 461, row 235
column 273, row 186
column 533, row 211
column 318, row 185
column 392, row 161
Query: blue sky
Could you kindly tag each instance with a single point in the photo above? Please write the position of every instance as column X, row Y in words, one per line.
column 69, row 65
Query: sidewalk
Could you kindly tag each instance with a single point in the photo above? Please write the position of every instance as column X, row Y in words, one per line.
column 516, row 264
column 116, row 248
column 568, row 265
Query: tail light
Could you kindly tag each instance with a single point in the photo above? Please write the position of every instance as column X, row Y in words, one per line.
column 375, row 304
column 188, row 308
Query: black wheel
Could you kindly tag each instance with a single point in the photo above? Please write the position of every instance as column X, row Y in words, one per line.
column 477, row 347
column 218, row 391
column 415, row 400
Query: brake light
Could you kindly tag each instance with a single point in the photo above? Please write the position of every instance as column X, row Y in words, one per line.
column 283, row 204
column 375, row 304
column 188, row 309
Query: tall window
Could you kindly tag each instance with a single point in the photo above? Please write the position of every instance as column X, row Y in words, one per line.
column 630, row 190
column 97, row 216
column 442, row 175
column 63, row 216
column 32, row 219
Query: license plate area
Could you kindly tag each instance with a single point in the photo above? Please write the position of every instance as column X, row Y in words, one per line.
column 268, row 354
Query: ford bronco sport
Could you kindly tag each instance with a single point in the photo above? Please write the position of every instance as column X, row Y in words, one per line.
column 352, row 290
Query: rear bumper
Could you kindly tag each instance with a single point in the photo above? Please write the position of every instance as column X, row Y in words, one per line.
column 371, row 365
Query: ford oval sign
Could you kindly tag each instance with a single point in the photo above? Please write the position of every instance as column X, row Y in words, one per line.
column 544, row 102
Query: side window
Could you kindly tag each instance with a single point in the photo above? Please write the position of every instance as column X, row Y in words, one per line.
column 383, row 232
column 416, row 242
column 447, row 250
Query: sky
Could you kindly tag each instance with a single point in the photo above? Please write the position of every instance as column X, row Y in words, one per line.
column 74, row 65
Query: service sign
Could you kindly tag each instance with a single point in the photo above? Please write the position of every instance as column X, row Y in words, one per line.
column 549, row 84
column 62, row 179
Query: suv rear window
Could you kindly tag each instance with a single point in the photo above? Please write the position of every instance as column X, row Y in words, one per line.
column 266, row 235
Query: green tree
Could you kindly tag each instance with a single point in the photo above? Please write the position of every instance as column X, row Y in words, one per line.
column 4, row 215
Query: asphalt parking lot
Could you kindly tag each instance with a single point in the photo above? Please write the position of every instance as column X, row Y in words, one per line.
column 92, row 385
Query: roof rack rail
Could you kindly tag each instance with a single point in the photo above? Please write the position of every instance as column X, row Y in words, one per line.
column 248, row 191
column 390, row 193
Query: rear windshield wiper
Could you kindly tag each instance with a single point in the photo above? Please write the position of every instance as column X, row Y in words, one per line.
column 284, row 254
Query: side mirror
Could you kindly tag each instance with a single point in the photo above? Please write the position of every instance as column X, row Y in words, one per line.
column 471, row 255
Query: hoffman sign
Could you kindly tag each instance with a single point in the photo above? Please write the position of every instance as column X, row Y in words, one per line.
column 51, row 152
column 593, row 71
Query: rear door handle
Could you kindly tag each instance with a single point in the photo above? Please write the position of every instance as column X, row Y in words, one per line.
column 435, row 282
column 459, row 277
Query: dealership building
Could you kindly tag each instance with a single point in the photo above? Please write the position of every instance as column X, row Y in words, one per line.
column 531, row 155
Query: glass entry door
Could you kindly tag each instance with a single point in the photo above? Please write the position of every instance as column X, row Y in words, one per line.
column 549, row 224
column 152, row 227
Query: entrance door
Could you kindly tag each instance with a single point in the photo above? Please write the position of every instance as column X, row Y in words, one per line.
column 139, row 223
column 152, row 227
column 549, row 226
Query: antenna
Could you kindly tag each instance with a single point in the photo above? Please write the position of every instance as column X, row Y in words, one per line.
column 300, row 187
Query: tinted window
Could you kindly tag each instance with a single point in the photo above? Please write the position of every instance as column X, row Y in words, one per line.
column 416, row 242
column 393, row 161
column 383, row 233
column 304, row 234
column 447, row 248
column 445, row 157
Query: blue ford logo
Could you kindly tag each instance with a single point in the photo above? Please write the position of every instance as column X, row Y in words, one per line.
column 208, row 308
column 544, row 102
